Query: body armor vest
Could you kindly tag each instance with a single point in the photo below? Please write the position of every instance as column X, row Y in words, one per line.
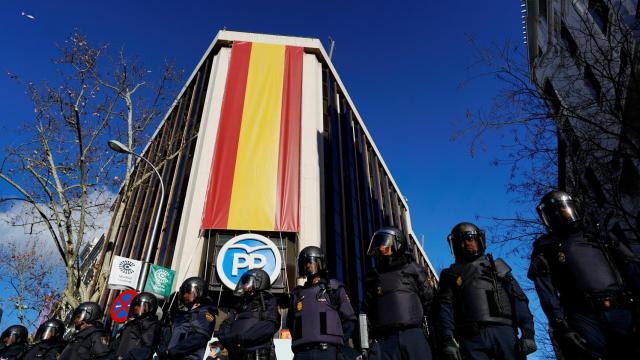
column 479, row 294
column 45, row 350
column 580, row 267
column 317, row 319
column 396, row 300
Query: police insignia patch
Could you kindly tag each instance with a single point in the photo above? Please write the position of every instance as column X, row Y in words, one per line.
column 562, row 257
column 459, row 280
column 209, row 316
column 380, row 290
column 104, row 340
column 299, row 305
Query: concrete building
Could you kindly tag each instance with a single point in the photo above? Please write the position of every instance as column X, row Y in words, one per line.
column 583, row 58
column 263, row 142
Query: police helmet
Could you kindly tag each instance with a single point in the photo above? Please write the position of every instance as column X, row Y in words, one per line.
column 147, row 305
column 559, row 211
column 192, row 290
column 252, row 281
column 52, row 329
column 89, row 312
column 14, row 334
column 388, row 241
column 463, row 231
column 311, row 255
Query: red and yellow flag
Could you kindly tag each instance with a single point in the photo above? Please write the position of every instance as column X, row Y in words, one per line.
column 255, row 175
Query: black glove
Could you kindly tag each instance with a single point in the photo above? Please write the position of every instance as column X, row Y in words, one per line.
column 451, row 349
column 574, row 341
column 527, row 343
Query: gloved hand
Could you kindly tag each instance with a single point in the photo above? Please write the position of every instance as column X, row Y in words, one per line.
column 527, row 343
column 451, row 349
column 573, row 340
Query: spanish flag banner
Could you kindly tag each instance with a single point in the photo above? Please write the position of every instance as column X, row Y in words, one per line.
column 255, row 175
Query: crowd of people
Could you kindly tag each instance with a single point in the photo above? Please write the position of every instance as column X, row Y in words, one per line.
column 587, row 282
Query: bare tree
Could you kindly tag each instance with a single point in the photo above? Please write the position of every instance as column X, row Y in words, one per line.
column 568, row 115
column 27, row 274
column 65, row 171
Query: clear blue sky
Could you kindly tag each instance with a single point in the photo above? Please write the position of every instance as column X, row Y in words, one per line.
column 401, row 63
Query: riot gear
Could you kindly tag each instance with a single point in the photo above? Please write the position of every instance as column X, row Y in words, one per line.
column 311, row 262
column 192, row 290
column 50, row 330
column 143, row 305
column 389, row 247
column 466, row 231
column 252, row 281
column 559, row 211
column 88, row 312
column 14, row 334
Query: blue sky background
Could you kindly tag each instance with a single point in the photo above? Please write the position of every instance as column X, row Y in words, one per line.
column 402, row 63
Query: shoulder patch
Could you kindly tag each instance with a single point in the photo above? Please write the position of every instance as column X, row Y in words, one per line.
column 104, row 340
column 209, row 316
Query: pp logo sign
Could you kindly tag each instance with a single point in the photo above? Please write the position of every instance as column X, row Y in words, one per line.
column 244, row 252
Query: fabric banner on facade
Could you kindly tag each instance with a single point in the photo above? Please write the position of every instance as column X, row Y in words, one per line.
column 124, row 274
column 255, row 176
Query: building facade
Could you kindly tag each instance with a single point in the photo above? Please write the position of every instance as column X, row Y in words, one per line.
column 263, row 144
column 583, row 58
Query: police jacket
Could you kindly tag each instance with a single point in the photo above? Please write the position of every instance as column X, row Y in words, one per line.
column 139, row 339
column 397, row 298
column 88, row 343
column 45, row 350
column 13, row 352
column 570, row 269
column 251, row 325
column 481, row 292
column 320, row 313
column 191, row 331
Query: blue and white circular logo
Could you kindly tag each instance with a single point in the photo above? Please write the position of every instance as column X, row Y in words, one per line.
column 245, row 252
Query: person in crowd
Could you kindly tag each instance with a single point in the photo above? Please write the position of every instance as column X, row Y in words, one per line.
column 481, row 305
column 248, row 331
column 398, row 296
column 586, row 282
column 320, row 317
column 90, row 341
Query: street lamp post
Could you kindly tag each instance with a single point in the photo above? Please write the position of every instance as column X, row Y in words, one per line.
column 121, row 148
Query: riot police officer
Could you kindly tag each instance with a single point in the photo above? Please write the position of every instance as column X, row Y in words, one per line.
column 140, row 336
column 248, row 331
column 193, row 324
column 90, row 342
column 481, row 304
column 398, row 296
column 320, row 315
column 48, row 343
column 582, row 278
column 14, row 339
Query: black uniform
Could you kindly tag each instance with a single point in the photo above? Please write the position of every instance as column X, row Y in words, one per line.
column 482, row 306
column 139, row 339
column 45, row 350
column 396, row 301
column 13, row 352
column 583, row 289
column 320, row 318
column 191, row 331
column 88, row 343
column 248, row 331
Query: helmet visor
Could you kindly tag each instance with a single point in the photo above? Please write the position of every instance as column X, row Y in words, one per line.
column 46, row 333
column 245, row 285
column 381, row 244
column 559, row 212
column 139, row 309
column 310, row 265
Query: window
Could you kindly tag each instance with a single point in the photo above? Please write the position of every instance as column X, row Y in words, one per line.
column 600, row 14
column 551, row 98
column 542, row 9
column 568, row 42
column 592, row 84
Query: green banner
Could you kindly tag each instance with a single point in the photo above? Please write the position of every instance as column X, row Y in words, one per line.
column 159, row 281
